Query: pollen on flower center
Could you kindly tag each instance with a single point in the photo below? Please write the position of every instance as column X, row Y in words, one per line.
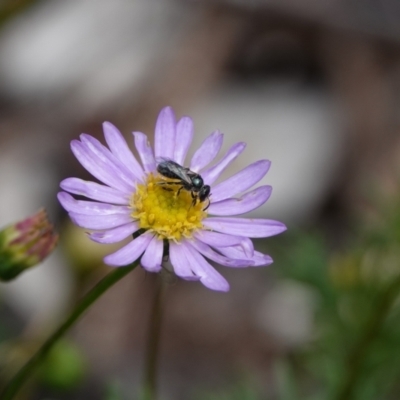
column 159, row 208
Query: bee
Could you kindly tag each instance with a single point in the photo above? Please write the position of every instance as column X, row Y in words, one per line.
column 186, row 178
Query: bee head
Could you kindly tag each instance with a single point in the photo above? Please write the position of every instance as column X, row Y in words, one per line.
column 204, row 192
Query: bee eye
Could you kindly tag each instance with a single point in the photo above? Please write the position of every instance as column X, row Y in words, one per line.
column 197, row 181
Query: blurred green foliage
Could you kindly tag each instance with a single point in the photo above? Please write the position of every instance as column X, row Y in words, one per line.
column 64, row 368
column 355, row 354
column 240, row 391
column 62, row 371
column 113, row 392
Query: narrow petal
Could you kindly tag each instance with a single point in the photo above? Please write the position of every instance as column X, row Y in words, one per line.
column 97, row 168
column 209, row 277
column 218, row 258
column 216, row 239
column 100, row 222
column 250, row 227
column 184, row 137
column 152, row 258
column 259, row 259
column 90, row 207
column 207, row 151
column 248, row 202
column 94, row 191
column 129, row 253
column 118, row 146
column 105, row 155
column 241, row 181
column 220, row 239
column 116, row 234
column 210, row 175
column 145, row 152
column 164, row 137
column 180, row 262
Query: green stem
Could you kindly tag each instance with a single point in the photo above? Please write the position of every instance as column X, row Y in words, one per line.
column 357, row 356
column 24, row 373
column 151, row 357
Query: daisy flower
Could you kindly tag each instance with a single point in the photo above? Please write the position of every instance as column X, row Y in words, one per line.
column 134, row 200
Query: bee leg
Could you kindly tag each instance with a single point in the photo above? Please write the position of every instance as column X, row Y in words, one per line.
column 208, row 205
column 169, row 183
column 194, row 197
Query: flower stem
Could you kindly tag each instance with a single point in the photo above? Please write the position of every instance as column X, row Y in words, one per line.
column 13, row 386
column 151, row 357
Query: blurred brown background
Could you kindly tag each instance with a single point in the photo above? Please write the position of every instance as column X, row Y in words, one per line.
column 313, row 86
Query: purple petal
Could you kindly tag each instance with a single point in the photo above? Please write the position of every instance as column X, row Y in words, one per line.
column 100, row 170
column 184, row 137
column 118, row 146
column 94, row 191
column 241, row 181
column 97, row 169
column 100, row 222
column 164, row 137
column 180, row 262
column 259, row 259
column 145, row 151
column 207, row 151
column 209, row 277
column 218, row 240
column 116, row 234
column 104, row 155
column 241, row 205
column 90, row 207
column 214, row 256
column 152, row 257
column 129, row 253
column 250, row 227
column 211, row 174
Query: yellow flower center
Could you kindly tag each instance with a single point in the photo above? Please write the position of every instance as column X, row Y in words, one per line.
column 159, row 208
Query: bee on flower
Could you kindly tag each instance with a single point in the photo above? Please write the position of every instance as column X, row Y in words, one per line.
column 160, row 200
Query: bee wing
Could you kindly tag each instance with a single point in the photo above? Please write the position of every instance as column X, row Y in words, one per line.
column 174, row 168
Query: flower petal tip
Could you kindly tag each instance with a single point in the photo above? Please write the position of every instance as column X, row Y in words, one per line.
column 167, row 114
column 109, row 260
column 107, row 124
column 221, row 288
column 155, row 269
column 282, row 228
column 219, row 284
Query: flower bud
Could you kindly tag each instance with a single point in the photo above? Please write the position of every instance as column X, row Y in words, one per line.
column 25, row 244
